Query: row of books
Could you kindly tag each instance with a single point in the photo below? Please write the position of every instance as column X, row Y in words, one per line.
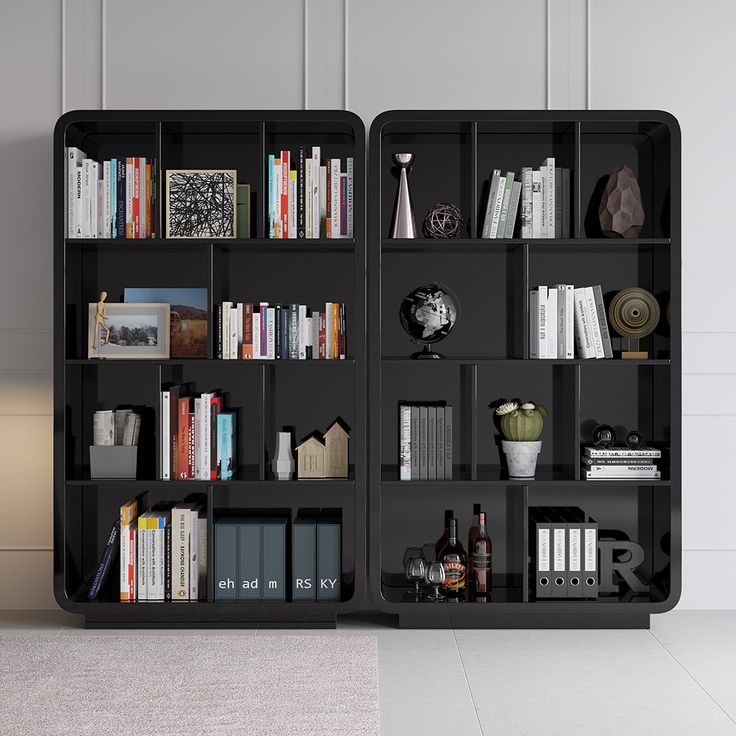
column 425, row 441
column 112, row 427
column 620, row 463
column 197, row 436
column 267, row 331
column 565, row 321
column 541, row 200
column 110, row 199
column 162, row 551
column 251, row 557
column 308, row 198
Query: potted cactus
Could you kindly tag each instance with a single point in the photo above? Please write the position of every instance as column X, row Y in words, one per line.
column 521, row 425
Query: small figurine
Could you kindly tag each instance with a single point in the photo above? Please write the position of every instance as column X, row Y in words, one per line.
column 101, row 321
column 324, row 456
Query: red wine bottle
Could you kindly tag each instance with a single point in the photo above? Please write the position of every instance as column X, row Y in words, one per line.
column 481, row 556
column 442, row 541
column 472, row 534
column 455, row 562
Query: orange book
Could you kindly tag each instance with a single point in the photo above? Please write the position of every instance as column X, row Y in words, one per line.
column 149, row 202
column 128, row 539
column 335, row 331
column 285, row 166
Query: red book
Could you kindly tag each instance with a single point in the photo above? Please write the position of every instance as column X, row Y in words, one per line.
column 285, row 166
column 322, row 335
column 131, row 561
column 215, row 409
column 247, row 332
column 182, row 442
column 191, row 443
column 137, row 197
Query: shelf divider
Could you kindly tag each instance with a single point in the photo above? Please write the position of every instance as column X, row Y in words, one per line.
column 474, row 204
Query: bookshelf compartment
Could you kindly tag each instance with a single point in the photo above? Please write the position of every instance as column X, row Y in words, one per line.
column 509, row 146
column 554, row 387
column 441, row 172
column 92, row 268
column 643, row 146
column 105, row 139
column 617, row 267
column 413, row 517
column 215, row 144
column 489, row 288
column 639, row 513
column 91, row 387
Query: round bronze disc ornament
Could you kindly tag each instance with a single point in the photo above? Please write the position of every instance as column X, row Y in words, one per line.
column 634, row 312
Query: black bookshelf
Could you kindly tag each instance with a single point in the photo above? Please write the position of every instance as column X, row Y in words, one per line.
column 487, row 355
column 268, row 394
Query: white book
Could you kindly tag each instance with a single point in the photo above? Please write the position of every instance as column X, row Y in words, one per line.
column 159, row 557
column 621, row 452
column 328, row 330
column 534, row 324
column 142, row 557
column 72, row 162
column 335, row 197
column 561, row 320
column 303, row 331
column 513, row 210
column 595, row 328
column 256, row 334
column 315, row 191
column 233, row 334
column 491, row 202
column 543, row 323
column 594, row 472
column 198, row 437
column 322, row 200
column 505, row 203
column 583, row 336
column 566, row 321
column 308, row 198
column 404, row 442
column 165, row 435
column 307, row 336
column 194, row 554
column 226, row 308
column 78, row 202
column 497, row 206
column 86, row 185
column 537, row 231
column 100, row 210
column 271, row 334
column 552, row 319
column 548, row 177
column 603, row 321
column 350, row 168
column 181, row 527
column 95, row 209
column 206, row 430
column 526, row 202
column 292, row 206
column 106, row 203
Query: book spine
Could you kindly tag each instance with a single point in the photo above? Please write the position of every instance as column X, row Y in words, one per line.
column 165, row 435
column 423, row 449
column 113, row 198
column 182, row 460
column 335, row 197
column 271, row 333
column 293, row 332
column 103, row 566
column 301, row 213
column 448, row 442
column 308, row 334
column 127, row 555
column 121, row 199
column 595, row 328
column 335, row 323
column 534, row 324
column 167, row 562
column 495, row 181
column 277, row 231
column 302, row 332
column 617, row 460
column 537, row 209
column 94, row 193
column 431, row 443
column 308, row 198
column 583, row 341
column 225, row 445
column 206, row 433
column 561, row 292
column 285, row 169
column 190, row 446
column 343, row 205
column 600, row 309
column 215, row 409
column 505, row 202
column 566, row 194
column 543, row 323
column 343, row 334
column 322, row 327
column 149, row 201
column 316, row 316
column 548, row 170
column 86, row 217
column 350, row 212
column 271, row 187
column 247, row 332
column 552, row 320
column 404, row 442
column 621, row 471
column 414, row 447
column 180, row 532
column 440, row 440
column 328, row 198
column 284, row 332
column 328, row 331
column 292, row 203
column 129, row 197
column 323, row 201
column 193, row 555
column 78, row 202
column 256, row 329
column 570, row 321
column 106, row 172
column 513, row 210
column 100, row 206
column 558, row 202
column 136, row 197
column 315, row 191
column 142, row 196
column 526, row 202
column 611, row 452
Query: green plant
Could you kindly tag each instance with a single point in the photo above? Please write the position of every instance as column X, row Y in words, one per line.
column 521, row 423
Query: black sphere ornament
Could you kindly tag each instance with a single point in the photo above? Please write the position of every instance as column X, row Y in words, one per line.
column 444, row 220
column 428, row 315
column 634, row 439
column 604, row 435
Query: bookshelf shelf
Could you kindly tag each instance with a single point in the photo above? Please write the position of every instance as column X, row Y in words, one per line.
column 266, row 396
column 486, row 354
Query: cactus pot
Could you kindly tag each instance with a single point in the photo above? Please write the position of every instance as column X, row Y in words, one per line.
column 521, row 457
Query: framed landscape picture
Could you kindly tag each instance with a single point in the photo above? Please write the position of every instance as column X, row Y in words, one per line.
column 200, row 203
column 128, row 331
column 188, row 317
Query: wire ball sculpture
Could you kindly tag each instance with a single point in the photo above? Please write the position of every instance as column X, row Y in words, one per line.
column 444, row 220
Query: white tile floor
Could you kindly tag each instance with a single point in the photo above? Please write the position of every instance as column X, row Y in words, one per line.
column 677, row 678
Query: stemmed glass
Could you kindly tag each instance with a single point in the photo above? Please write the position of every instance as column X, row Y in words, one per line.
column 415, row 571
column 435, row 576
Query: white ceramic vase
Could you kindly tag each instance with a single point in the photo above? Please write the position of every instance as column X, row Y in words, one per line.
column 521, row 457
column 283, row 465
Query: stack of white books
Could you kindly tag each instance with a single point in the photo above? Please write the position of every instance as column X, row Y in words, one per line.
column 620, row 463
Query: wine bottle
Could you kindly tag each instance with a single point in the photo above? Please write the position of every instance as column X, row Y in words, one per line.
column 442, row 541
column 472, row 534
column 481, row 556
column 455, row 562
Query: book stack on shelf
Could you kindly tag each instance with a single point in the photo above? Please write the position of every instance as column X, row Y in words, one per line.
column 197, row 436
column 620, row 463
column 266, row 331
column 110, row 199
column 115, row 427
column 541, row 199
column 425, row 441
column 251, row 558
column 308, row 198
column 565, row 321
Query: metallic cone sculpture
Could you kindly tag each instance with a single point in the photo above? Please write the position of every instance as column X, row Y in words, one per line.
column 403, row 224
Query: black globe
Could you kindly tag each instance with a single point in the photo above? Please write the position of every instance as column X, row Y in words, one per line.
column 429, row 313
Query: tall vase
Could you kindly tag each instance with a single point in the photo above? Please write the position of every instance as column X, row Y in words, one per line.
column 403, row 224
column 283, row 461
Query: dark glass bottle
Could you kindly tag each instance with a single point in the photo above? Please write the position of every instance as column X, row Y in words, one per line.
column 455, row 562
column 472, row 534
column 442, row 541
column 481, row 556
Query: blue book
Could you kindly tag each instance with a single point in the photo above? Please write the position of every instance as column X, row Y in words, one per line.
column 103, row 566
column 226, row 445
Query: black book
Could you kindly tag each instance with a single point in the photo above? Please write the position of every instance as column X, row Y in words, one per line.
column 167, row 562
column 219, row 332
column 106, row 560
column 301, row 212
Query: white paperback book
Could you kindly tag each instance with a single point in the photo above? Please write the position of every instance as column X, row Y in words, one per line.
column 548, row 166
column 543, row 322
column 404, row 442
column 335, row 197
column 552, row 319
column 315, row 191
column 537, row 204
column 271, row 334
column 513, row 209
column 72, row 162
column 595, row 327
column 165, row 435
column 198, row 437
column 491, row 203
column 534, row 324
column 583, row 336
column 497, row 205
column 351, row 174
column 307, row 198
column 566, row 311
column 303, row 330
column 256, row 334
column 526, row 202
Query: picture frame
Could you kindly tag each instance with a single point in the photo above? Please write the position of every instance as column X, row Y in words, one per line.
column 201, row 203
column 128, row 331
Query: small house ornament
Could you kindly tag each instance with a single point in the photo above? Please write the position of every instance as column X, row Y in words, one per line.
column 324, row 455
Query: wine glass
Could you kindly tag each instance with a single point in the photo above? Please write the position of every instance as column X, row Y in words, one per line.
column 415, row 571
column 435, row 576
column 413, row 552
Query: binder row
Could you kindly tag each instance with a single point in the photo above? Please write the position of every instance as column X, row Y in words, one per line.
column 566, row 559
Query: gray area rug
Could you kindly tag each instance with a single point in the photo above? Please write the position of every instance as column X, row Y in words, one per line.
column 188, row 684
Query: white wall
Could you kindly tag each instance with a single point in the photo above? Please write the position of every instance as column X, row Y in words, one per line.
column 59, row 55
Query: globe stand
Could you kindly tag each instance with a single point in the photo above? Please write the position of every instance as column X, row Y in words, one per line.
column 426, row 354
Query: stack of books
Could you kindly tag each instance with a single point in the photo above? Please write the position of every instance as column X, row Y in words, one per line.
column 112, row 427
column 197, row 436
column 425, row 441
column 620, row 463
column 565, row 322
column 110, row 199
column 308, row 198
column 541, row 198
column 266, row 331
